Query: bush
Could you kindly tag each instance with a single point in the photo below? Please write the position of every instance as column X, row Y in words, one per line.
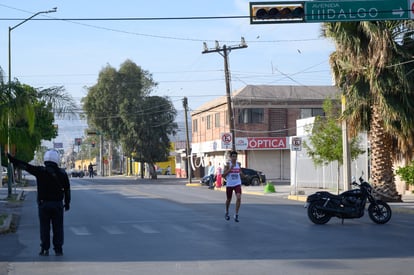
column 406, row 173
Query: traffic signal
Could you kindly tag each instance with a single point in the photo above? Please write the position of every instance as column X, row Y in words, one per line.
column 93, row 144
column 276, row 12
column 78, row 141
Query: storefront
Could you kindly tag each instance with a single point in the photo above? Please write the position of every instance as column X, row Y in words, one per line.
column 270, row 155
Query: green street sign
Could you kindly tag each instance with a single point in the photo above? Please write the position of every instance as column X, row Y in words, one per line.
column 359, row 10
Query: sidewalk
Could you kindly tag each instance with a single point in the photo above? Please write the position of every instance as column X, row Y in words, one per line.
column 7, row 210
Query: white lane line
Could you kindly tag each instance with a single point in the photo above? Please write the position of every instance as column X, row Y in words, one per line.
column 145, row 229
column 113, row 230
column 80, row 230
column 180, row 229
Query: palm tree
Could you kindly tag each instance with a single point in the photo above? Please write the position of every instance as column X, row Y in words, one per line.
column 24, row 111
column 373, row 64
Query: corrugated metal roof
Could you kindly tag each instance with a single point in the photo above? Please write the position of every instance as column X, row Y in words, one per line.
column 274, row 93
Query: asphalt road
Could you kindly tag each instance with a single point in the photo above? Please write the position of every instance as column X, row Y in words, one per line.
column 128, row 226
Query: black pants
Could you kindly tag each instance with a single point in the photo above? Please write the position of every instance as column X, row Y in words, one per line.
column 51, row 213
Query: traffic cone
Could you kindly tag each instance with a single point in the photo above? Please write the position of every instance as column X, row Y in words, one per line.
column 269, row 188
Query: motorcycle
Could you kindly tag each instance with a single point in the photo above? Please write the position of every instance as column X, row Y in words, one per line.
column 322, row 206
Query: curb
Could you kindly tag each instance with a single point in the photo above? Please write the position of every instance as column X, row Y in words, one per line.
column 6, row 224
column 5, row 227
column 297, row 198
column 193, row 184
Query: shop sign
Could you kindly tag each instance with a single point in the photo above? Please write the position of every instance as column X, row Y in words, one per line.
column 261, row 143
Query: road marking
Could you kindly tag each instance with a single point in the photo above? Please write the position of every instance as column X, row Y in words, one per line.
column 208, row 227
column 145, row 229
column 113, row 230
column 180, row 229
column 80, row 230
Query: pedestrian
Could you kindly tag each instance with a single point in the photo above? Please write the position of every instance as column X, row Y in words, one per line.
column 168, row 171
column 232, row 173
column 211, row 172
column 218, row 176
column 90, row 169
column 52, row 189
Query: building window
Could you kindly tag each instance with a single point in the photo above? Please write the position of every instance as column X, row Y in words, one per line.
column 195, row 125
column 217, row 120
column 252, row 115
column 208, row 121
column 311, row 112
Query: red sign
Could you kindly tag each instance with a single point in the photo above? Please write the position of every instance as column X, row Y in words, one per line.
column 226, row 140
column 257, row 143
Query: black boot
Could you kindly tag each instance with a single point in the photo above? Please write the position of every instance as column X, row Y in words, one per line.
column 58, row 251
column 44, row 252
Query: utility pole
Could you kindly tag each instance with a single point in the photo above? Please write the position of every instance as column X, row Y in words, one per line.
column 345, row 150
column 101, row 162
column 224, row 51
column 187, row 147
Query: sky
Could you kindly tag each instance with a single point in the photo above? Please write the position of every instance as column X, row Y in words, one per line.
column 65, row 49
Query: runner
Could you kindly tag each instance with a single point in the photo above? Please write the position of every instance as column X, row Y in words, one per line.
column 232, row 173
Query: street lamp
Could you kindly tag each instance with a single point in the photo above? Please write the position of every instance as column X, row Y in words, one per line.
column 9, row 180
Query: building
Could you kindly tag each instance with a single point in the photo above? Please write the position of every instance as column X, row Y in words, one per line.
column 265, row 119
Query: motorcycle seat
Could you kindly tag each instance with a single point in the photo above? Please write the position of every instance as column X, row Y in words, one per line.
column 328, row 195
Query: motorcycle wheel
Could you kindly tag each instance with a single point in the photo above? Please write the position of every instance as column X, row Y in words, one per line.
column 380, row 212
column 316, row 215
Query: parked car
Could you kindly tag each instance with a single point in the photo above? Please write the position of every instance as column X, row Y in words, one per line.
column 4, row 173
column 77, row 173
column 251, row 177
column 206, row 179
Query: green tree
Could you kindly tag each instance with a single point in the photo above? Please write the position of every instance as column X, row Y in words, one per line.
column 148, row 130
column 119, row 105
column 113, row 90
column 326, row 140
column 32, row 115
column 373, row 65
column 406, row 173
column 26, row 117
column 25, row 137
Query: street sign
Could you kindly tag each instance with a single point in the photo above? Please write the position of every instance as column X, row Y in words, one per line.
column 296, row 144
column 359, row 10
column 226, row 140
column 57, row 145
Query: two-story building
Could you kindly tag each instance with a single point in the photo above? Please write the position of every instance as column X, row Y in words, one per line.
column 264, row 118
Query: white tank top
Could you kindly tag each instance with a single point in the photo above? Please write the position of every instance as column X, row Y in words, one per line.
column 233, row 178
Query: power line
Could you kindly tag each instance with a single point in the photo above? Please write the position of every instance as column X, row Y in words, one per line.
column 137, row 18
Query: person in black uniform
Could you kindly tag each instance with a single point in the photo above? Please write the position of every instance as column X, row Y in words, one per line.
column 52, row 189
column 90, row 169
